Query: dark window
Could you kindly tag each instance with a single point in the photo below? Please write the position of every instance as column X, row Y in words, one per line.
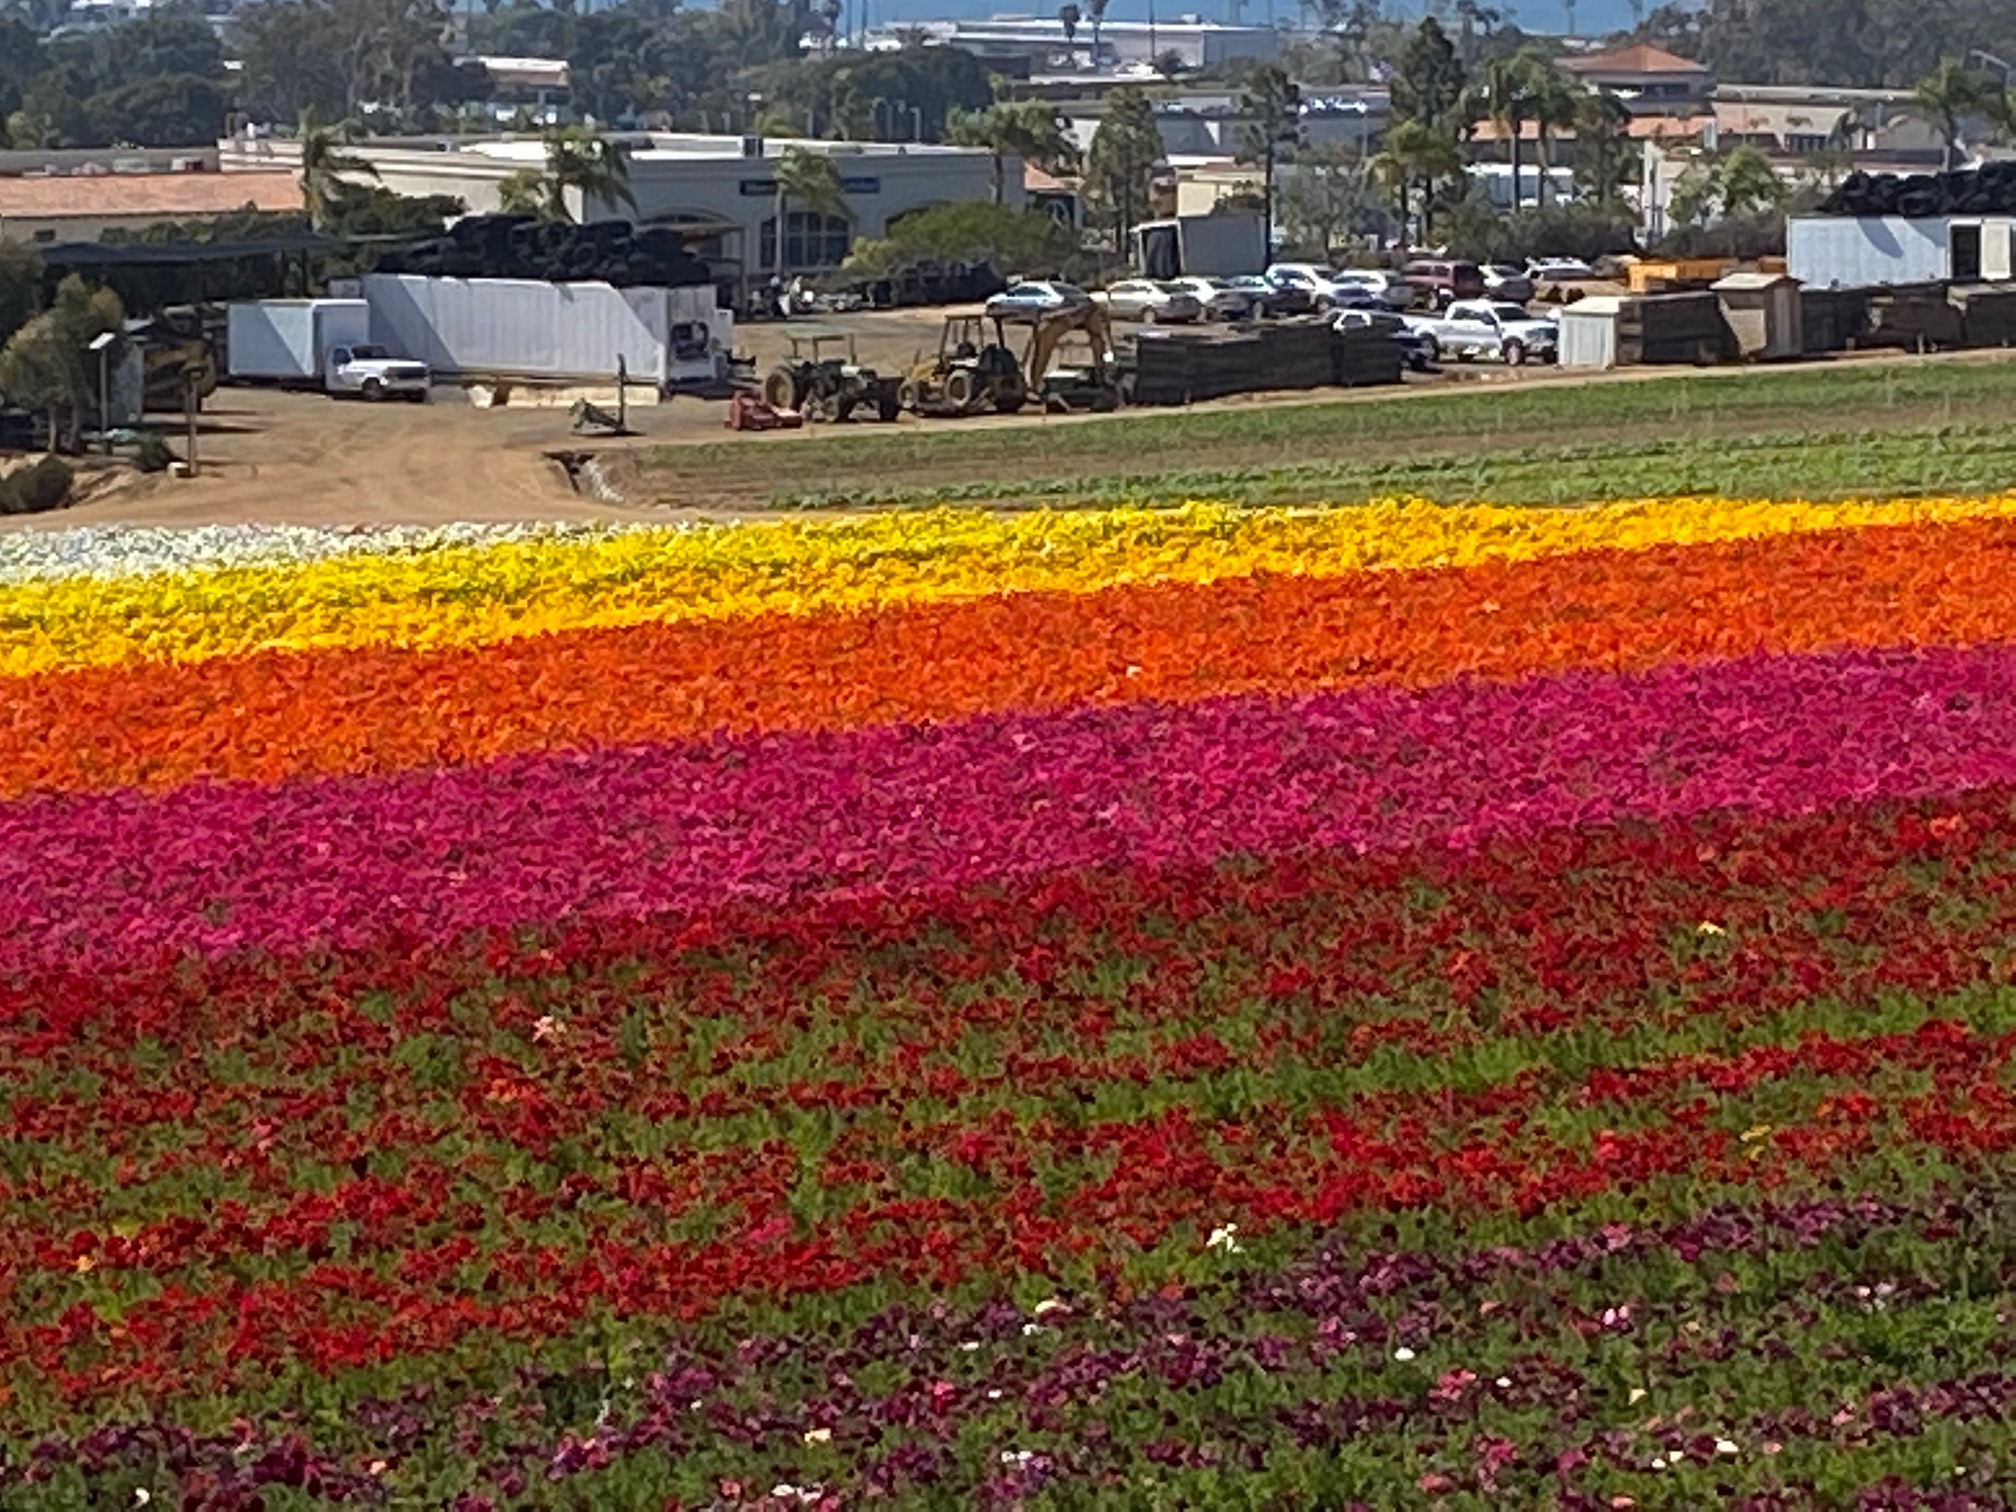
column 1965, row 248
column 810, row 241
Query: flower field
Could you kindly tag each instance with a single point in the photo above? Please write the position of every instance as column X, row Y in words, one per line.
column 1408, row 1005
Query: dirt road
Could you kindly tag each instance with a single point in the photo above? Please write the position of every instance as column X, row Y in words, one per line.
column 305, row 459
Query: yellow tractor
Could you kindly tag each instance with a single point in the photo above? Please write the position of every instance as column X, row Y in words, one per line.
column 970, row 375
column 1083, row 381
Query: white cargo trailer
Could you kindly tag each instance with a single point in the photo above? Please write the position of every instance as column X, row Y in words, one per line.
column 288, row 341
column 1213, row 245
column 557, row 332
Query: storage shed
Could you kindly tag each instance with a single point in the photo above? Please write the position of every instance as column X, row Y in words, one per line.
column 1763, row 310
column 1589, row 332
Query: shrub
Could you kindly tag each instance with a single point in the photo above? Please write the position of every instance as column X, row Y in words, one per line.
column 43, row 484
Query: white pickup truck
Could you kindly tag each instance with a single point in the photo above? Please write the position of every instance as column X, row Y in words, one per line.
column 1472, row 328
column 371, row 372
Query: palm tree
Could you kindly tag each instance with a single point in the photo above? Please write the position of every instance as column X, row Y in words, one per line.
column 814, row 182
column 1954, row 92
column 1416, row 154
column 523, row 193
column 593, row 165
column 1027, row 129
column 1508, row 103
column 323, row 164
column 1556, row 103
column 1600, row 126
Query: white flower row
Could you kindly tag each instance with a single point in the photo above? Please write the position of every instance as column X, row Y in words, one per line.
column 132, row 550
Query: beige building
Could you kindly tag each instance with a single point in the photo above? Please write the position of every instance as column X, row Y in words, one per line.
column 43, row 209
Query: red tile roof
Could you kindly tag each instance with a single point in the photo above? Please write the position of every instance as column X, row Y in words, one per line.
column 168, row 196
column 1639, row 58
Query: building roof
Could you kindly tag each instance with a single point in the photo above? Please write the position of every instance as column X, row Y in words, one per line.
column 168, row 196
column 1639, row 58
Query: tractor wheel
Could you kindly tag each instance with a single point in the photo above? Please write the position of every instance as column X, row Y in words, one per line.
column 909, row 396
column 843, row 408
column 817, row 410
column 887, row 408
column 961, row 390
column 782, row 389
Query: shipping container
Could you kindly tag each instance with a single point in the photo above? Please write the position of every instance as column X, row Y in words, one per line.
column 286, row 340
column 1862, row 252
column 519, row 328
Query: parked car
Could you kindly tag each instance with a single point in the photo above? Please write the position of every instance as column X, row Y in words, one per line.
column 1220, row 300
column 1037, row 296
column 1558, row 269
column 371, row 372
column 1416, row 349
column 1503, row 281
column 1272, row 298
column 1390, row 289
column 1325, row 290
column 1150, row 299
column 1440, row 282
column 1472, row 328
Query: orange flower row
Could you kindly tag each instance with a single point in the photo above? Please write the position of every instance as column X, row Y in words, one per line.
column 278, row 715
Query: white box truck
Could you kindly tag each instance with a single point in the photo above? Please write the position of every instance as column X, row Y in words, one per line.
column 1217, row 246
column 317, row 343
column 288, row 341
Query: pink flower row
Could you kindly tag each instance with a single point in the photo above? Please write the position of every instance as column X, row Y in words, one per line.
column 95, row 880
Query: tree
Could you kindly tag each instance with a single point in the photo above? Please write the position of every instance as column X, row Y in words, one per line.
column 1739, row 182
column 524, row 193
column 1121, row 162
column 1416, row 156
column 1322, row 195
column 176, row 111
column 1508, row 102
column 1025, row 129
column 591, row 165
column 1555, row 106
column 46, row 365
column 323, row 164
column 811, row 179
column 1431, row 82
column 20, row 287
column 1952, row 95
column 1273, row 107
column 1604, row 162
column 1027, row 242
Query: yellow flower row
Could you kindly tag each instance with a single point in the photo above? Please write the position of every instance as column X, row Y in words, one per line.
column 470, row 595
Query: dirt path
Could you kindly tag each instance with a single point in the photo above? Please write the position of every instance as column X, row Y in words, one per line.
column 304, row 459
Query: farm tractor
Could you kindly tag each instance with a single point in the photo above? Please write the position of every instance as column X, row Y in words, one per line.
column 970, row 374
column 823, row 380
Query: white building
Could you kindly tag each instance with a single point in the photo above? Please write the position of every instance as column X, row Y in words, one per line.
column 719, row 190
column 1023, row 45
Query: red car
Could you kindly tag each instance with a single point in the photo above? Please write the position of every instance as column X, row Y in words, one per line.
column 1442, row 282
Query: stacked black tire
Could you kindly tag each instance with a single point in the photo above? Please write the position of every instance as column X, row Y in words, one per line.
column 1988, row 190
column 519, row 246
